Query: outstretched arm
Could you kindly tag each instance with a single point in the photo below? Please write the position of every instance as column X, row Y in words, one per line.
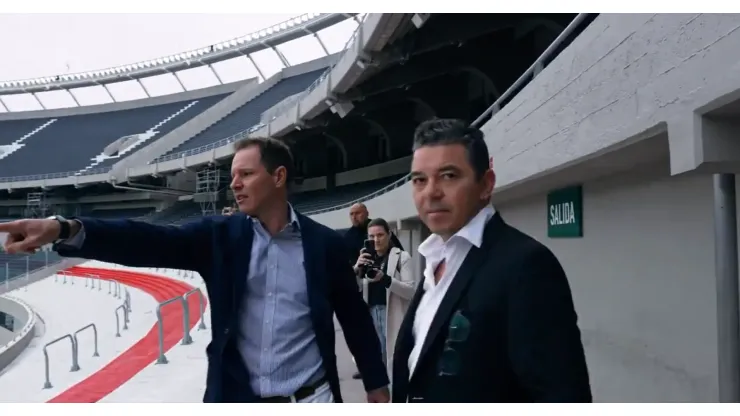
column 139, row 244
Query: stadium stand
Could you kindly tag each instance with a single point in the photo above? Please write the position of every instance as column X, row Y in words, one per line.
column 247, row 115
column 80, row 143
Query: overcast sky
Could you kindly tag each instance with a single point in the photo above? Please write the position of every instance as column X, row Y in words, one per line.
column 48, row 44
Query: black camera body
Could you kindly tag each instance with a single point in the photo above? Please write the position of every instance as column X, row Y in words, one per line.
column 369, row 272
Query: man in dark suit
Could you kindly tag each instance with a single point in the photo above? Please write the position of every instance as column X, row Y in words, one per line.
column 275, row 278
column 493, row 320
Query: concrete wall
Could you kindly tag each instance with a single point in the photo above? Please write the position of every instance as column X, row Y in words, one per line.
column 23, row 331
column 643, row 283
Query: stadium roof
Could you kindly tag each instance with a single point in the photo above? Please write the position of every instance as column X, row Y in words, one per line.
column 267, row 38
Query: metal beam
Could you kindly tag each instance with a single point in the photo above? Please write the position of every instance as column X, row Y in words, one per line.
column 2, row 104
column 282, row 57
column 257, row 67
column 38, row 101
column 109, row 93
column 218, row 77
column 143, row 88
column 726, row 270
column 73, row 98
column 179, row 81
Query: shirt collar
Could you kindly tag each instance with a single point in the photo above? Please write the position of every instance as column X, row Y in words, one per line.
column 472, row 232
column 292, row 222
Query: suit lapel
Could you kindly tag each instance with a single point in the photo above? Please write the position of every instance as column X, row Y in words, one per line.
column 462, row 279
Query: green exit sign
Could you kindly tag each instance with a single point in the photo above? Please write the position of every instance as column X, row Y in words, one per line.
column 565, row 213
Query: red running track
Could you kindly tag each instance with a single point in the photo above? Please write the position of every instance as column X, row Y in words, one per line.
column 145, row 351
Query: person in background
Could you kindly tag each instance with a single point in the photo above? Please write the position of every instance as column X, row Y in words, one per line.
column 387, row 283
column 493, row 319
column 355, row 238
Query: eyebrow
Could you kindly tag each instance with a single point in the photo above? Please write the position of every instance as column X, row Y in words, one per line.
column 445, row 168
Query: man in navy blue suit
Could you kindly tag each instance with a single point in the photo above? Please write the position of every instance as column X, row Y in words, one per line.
column 275, row 279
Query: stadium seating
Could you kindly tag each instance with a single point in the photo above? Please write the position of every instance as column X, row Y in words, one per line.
column 72, row 143
column 308, row 202
column 248, row 115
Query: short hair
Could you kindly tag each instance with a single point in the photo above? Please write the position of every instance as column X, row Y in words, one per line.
column 447, row 131
column 273, row 153
column 379, row 222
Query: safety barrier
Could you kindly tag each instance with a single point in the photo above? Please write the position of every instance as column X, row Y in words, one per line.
column 186, row 340
column 92, row 278
column 201, row 306
column 95, row 340
column 118, row 321
column 75, row 366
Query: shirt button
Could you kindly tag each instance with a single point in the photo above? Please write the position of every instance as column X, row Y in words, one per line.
column 226, row 331
column 269, row 294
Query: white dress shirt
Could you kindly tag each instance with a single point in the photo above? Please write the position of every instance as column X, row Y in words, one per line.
column 453, row 252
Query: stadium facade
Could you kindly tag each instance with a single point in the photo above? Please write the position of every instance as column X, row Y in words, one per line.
column 612, row 137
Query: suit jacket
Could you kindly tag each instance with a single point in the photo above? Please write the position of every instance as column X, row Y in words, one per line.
column 219, row 249
column 522, row 343
column 398, row 296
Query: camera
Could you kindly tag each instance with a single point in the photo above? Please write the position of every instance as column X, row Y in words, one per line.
column 370, row 272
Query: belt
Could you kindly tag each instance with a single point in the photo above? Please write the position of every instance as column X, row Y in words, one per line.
column 300, row 394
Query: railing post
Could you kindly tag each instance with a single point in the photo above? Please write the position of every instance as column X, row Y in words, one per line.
column 118, row 321
column 128, row 300
column 110, row 283
column 75, row 367
column 186, row 339
column 77, row 342
column 201, row 308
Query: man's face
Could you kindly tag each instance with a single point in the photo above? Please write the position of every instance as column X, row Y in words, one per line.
column 445, row 190
column 357, row 215
column 253, row 186
column 381, row 238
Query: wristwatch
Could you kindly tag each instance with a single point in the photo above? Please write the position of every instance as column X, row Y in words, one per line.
column 64, row 228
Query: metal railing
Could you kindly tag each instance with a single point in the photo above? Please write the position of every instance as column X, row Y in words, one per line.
column 75, row 366
column 528, row 75
column 123, row 308
column 186, row 340
column 55, row 175
column 200, row 149
column 201, row 306
column 95, row 340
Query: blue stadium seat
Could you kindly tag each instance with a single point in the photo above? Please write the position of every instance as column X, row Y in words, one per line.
column 71, row 143
column 249, row 114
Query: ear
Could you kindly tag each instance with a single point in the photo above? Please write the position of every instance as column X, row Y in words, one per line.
column 488, row 182
column 280, row 176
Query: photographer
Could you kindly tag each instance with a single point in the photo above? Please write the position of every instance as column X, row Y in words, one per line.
column 387, row 283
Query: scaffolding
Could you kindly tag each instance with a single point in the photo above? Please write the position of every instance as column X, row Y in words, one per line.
column 207, row 185
column 36, row 205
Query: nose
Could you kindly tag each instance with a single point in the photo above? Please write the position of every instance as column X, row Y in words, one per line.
column 433, row 190
column 235, row 184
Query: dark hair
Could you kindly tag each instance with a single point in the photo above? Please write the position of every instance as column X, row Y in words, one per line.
column 379, row 222
column 446, row 131
column 273, row 153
